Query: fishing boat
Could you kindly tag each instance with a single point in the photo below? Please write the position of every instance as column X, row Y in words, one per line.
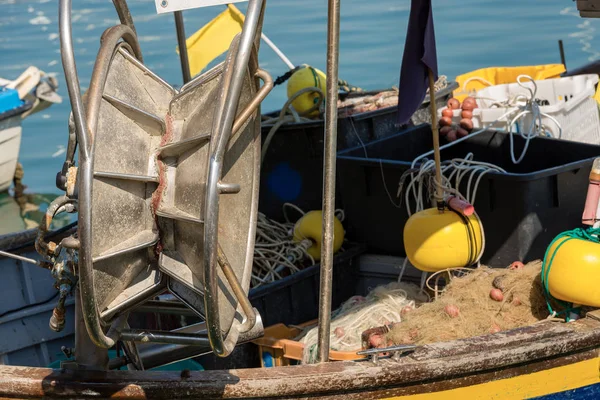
column 30, row 93
column 178, row 215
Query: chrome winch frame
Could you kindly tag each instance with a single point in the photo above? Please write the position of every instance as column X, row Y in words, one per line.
column 166, row 190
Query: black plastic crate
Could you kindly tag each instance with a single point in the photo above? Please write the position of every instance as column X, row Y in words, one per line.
column 295, row 299
column 292, row 170
column 522, row 211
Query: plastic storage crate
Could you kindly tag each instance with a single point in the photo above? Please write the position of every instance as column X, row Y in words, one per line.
column 522, row 211
column 292, row 170
column 569, row 102
column 481, row 78
column 295, row 298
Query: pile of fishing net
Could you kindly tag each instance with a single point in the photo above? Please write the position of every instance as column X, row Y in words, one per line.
column 384, row 305
column 358, row 102
column 356, row 105
column 473, row 303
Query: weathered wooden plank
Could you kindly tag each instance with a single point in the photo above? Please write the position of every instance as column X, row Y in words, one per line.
column 579, row 341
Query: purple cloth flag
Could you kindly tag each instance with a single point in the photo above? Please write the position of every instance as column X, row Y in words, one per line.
column 419, row 55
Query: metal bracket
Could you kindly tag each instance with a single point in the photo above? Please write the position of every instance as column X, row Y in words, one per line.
column 396, row 352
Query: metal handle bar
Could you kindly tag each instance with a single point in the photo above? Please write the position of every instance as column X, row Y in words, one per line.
column 223, row 125
column 85, row 138
column 253, row 105
column 125, row 16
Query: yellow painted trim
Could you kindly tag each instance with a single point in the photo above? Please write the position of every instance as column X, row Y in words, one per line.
column 540, row 383
column 597, row 95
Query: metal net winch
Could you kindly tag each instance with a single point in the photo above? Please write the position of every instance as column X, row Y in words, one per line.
column 166, row 191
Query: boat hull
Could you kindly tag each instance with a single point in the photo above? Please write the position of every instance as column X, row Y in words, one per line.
column 548, row 360
column 10, row 142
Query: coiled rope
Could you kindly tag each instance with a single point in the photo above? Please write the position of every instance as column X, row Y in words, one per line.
column 275, row 249
column 520, row 106
column 422, row 180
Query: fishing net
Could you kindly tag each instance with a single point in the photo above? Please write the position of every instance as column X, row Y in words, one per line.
column 382, row 306
column 465, row 307
column 359, row 102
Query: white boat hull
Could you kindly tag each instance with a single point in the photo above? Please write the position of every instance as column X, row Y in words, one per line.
column 10, row 142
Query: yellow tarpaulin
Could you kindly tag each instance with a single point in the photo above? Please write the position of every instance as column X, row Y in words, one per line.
column 484, row 77
column 213, row 39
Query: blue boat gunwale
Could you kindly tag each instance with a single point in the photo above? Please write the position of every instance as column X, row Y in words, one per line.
column 26, row 106
column 20, row 240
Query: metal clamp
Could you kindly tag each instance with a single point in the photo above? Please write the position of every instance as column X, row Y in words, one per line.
column 65, row 278
column 155, row 354
column 396, row 351
column 48, row 250
column 224, row 125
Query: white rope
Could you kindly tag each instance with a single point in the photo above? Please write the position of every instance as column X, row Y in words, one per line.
column 288, row 114
column 422, row 186
column 277, row 51
column 275, row 249
column 382, row 306
column 475, row 78
column 520, row 106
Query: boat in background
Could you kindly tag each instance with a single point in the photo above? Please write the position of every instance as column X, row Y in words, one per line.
column 31, row 92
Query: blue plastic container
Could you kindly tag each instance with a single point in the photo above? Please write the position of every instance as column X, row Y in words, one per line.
column 9, row 99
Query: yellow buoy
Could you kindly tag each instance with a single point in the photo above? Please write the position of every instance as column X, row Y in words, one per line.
column 436, row 240
column 574, row 271
column 306, row 77
column 310, row 226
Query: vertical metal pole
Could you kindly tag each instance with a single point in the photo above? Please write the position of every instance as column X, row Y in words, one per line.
column 329, row 159
column 439, row 191
column 183, row 54
column 562, row 53
column 261, row 20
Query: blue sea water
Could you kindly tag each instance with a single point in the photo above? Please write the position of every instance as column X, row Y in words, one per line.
column 470, row 34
